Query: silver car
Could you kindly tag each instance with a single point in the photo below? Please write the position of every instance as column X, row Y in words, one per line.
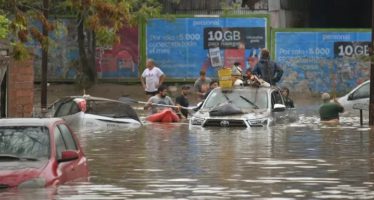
column 94, row 113
column 244, row 107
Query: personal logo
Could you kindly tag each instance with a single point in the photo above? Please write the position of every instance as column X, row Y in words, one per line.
column 224, row 123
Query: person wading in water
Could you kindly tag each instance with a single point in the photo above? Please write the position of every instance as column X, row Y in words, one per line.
column 329, row 111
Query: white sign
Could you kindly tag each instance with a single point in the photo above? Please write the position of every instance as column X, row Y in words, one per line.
column 215, row 57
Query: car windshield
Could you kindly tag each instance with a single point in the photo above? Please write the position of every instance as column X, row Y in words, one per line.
column 244, row 99
column 111, row 109
column 24, row 142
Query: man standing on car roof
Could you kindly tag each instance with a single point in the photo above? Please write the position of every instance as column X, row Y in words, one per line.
column 266, row 69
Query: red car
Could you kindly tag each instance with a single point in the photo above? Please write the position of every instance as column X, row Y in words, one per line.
column 39, row 153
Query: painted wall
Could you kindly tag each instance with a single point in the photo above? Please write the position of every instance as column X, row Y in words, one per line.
column 63, row 53
column 120, row 60
column 322, row 61
column 184, row 46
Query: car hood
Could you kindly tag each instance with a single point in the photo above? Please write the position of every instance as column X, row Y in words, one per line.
column 252, row 114
column 12, row 173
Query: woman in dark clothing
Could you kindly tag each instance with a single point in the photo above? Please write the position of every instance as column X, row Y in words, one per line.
column 287, row 100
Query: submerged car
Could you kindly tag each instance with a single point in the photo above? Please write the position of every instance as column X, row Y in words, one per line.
column 95, row 113
column 359, row 95
column 243, row 107
column 38, row 152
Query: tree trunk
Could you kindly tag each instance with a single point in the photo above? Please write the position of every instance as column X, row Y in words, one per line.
column 43, row 98
column 91, row 50
column 87, row 76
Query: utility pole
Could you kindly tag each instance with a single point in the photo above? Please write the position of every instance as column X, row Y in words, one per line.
column 371, row 102
column 43, row 99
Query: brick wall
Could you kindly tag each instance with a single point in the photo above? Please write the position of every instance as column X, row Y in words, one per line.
column 20, row 88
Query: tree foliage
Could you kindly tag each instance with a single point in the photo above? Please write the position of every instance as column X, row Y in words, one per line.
column 98, row 22
column 4, row 23
column 106, row 17
column 101, row 20
column 22, row 14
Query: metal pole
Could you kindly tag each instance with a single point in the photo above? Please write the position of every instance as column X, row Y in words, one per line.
column 43, row 99
column 371, row 102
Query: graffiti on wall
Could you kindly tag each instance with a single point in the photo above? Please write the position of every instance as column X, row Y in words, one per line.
column 322, row 61
column 63, row 53
column 120, row 60
column 181, row 47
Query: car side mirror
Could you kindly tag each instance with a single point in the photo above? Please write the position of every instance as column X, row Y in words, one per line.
column 279, row 107
column 198, row 106
column 68, row 155
column 350, row 97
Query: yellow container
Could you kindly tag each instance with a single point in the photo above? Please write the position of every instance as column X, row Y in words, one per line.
column 225, row 81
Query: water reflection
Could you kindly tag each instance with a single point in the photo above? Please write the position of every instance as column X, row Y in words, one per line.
column 167, row 161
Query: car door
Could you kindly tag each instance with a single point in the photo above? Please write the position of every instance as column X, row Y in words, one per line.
column 70, row 170
column 276, row 98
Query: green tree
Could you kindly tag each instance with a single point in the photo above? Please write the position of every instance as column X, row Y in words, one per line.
column 4, row 23
column 98, row 22
column 20, row 13
column 23, row 15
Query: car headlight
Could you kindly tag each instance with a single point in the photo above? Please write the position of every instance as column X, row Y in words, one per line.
column 33, row 183
column 197, row 121
column 258, row 122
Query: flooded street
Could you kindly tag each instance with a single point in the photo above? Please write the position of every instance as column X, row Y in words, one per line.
column 169, row 161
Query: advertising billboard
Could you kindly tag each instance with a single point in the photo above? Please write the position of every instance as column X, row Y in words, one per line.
column 182, row 47
column 323, row 61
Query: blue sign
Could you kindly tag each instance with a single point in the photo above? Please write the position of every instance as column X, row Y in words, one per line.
column 323, row 61
column 180, row 47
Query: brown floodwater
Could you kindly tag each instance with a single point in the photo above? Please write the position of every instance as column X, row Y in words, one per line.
column 302, row 160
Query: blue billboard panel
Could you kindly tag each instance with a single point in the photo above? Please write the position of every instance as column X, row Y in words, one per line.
column 323, row 61
column 180, row 47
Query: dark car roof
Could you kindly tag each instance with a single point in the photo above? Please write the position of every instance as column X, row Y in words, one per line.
column 28, row 121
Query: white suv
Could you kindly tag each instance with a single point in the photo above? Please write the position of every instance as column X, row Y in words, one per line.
column 243, row 107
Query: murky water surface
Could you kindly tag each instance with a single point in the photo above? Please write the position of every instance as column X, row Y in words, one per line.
column 303, row 160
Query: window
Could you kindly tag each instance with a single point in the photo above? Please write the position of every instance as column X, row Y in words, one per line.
column 362, row 92
column 276, row 98
column 64, row 109
column 244, row 99
column 25, row 141
column 67, row 108
column 68, row 138
column 60, row 144
column 74, row 109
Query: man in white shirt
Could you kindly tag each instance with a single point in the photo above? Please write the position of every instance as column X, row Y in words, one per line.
column 152, row 78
